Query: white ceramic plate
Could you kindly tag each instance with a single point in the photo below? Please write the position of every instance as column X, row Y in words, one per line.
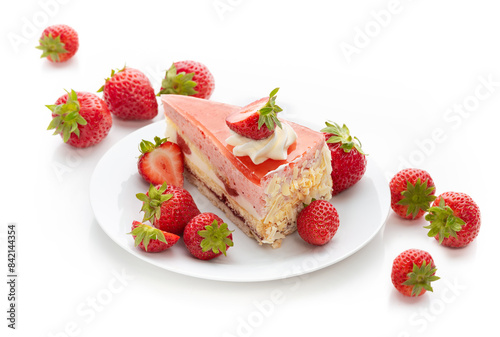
column 116, row 181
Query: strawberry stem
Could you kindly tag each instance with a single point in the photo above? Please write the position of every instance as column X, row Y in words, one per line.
column 144, row 233
column 152, row 201
column 146, row 146
column 51, row 46
column 215, row 237
column 179, row 84
column 268, row 113
column 443, row 222
column 417, row 197
column 421, row 278
column 343, row 136
column 66, row 117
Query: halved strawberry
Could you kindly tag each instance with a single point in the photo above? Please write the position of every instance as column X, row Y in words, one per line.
column 152, row 239
column 248, row 121
column 161, row 162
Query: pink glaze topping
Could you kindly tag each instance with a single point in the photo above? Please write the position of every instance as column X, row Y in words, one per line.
column 209, row 118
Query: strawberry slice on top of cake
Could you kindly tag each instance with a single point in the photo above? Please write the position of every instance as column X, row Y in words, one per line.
column 256, row 167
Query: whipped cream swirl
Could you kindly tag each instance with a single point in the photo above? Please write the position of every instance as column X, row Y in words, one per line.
column 273, row 147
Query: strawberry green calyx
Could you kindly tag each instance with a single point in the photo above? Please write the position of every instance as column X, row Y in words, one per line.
column 179, row 84
column 144, row 233
column 343, row 136
column 417, row 197
column 443, row 222
column 66, row 117
column 147, row 146
column 51, row 46
column 113, row 72
column 215, row 237
column 268, row 114
column 152, row 201
column 421, row 277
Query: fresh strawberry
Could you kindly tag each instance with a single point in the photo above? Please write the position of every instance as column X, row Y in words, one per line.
column 318, row 222
column 248, row 121
column 129, row 95
column 189, row 78
column 454, row 219
column 206, row 236
column 161, row 162
column 412, row 192
column 59, row 43
column 168, row 207
column 150, row 239
column 81, row 118
column 413, row 271
column 348, row 159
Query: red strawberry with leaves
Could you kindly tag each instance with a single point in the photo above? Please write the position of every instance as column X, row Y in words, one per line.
column 189, row 78
column 412, row 192
column 249, row 120
column 455, row 219
column 59, row 43
column 206, row 236
column 413, row 271
column 161, row 162
column 348, row 159
column 81, row 118
column 318, row 222
column 129, row 95
column 168, row 207
column 150, row 239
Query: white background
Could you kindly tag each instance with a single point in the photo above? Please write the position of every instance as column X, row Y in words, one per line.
column 406, row 76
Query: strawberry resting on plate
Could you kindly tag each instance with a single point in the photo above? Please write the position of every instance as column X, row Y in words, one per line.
column 151, row 239
column 168, row 207
column 161, row 162
column 348, row 159
column 318, row 222
column 206, row 236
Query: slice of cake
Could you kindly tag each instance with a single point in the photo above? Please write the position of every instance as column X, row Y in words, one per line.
column 261, row 196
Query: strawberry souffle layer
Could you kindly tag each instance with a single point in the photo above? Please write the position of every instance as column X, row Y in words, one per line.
column 261, row 196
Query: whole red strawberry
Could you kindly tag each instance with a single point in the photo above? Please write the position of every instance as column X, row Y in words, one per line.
column 161, row 162
column 150, row 239
column 412, row 192
column 206, row 236
column 413, row 271
column 189, row 78
column 81, row 118
column 454, row 219
column 129, row 95
column 168, row 207
column 59, row 43
column 249, row 120
column 348, row 160
column 318, row 222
